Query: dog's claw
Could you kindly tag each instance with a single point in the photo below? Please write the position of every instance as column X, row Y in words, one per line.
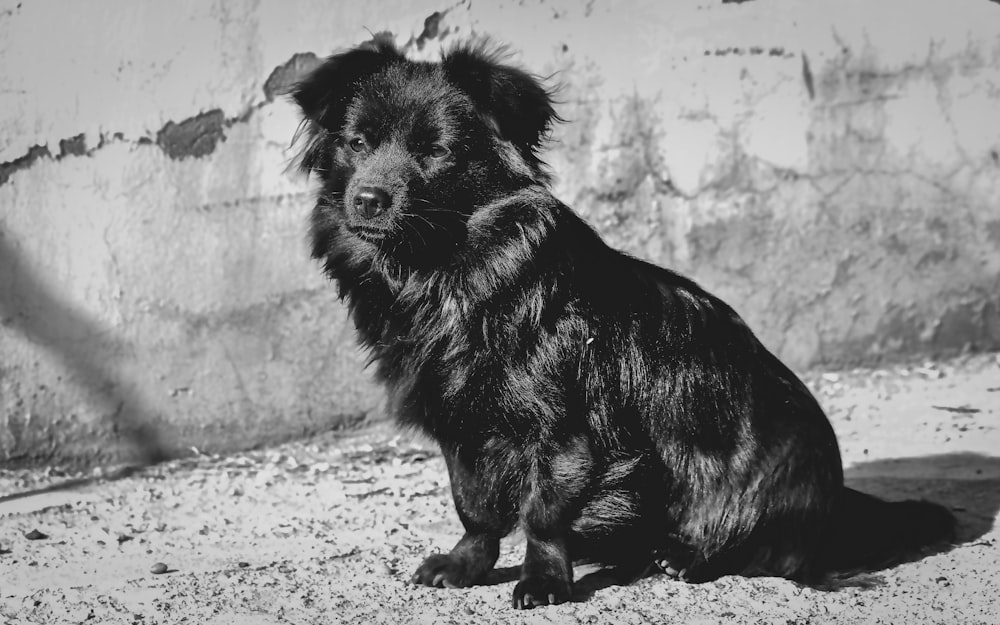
column 668, row 569
column 444, row 571
column 532, row 592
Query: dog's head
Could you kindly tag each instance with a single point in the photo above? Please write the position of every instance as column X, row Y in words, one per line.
column 406, row 150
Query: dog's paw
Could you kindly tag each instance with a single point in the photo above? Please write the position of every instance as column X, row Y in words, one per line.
column 444, row 570
column 538, row 590
column 671, row 570
column 675, row 563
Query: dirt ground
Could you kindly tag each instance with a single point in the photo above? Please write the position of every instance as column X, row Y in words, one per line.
column 329, row 530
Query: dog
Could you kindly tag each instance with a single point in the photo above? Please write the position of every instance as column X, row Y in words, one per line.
column 613, row 409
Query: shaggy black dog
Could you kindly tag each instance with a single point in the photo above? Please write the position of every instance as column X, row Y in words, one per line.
column 613, row 409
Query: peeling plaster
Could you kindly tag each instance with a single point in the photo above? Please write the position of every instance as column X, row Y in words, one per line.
column 34, row 153
column 199, row 135
column 74, row 146
column 432, row 30
column 284, row 77
column 195, row 136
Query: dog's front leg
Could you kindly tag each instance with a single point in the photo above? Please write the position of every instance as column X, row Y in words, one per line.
column 546, row 575
column 476, row 552
column 550, row 491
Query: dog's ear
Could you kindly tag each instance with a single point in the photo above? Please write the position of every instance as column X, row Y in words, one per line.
column 514, row 101
column 325, row 94
column 327, row 91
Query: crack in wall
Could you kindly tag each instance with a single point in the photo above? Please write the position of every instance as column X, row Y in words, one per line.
column 34, row 153
column 199, row 135
column 851, row 80
column 195, row 137
column 72, row 146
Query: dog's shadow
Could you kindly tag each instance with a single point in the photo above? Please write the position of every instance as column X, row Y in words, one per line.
column 967, row 484
column 583, row 588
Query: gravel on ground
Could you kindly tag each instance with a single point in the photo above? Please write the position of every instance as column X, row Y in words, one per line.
column 329, row 530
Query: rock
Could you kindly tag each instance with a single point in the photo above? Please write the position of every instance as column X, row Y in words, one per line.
column 158, row 568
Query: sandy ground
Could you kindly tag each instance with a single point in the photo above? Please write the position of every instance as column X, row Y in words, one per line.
column 329, row 530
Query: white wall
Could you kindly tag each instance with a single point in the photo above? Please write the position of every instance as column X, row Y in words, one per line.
column 830, row 167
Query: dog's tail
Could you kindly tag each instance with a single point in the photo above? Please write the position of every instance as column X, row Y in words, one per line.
column 868, row 533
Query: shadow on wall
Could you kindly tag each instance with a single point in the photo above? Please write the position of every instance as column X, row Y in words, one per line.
column 53, row 323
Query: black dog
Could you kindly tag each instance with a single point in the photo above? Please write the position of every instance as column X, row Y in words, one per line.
column 615, row 410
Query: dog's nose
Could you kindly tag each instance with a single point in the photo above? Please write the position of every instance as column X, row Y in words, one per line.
column 371, row 201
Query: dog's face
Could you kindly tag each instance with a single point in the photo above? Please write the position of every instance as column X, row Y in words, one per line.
column 407, row 150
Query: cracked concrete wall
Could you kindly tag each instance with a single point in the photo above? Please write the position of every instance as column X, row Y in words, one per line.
column 828, row 167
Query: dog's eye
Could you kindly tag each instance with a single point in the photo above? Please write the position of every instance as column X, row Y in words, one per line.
column 438, row 151
column 357, row 144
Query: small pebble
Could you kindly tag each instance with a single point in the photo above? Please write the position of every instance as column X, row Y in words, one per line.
column 158, row 569
column 36, row 535
column 243, row 565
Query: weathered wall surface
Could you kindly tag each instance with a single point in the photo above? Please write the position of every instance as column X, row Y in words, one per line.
column 829, row 167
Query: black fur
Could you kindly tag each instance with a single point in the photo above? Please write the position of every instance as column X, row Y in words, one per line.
column 613, row 409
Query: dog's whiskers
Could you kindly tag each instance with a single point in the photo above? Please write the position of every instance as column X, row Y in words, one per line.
column 430, row 223
column 415, row 231
column 433, row 207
